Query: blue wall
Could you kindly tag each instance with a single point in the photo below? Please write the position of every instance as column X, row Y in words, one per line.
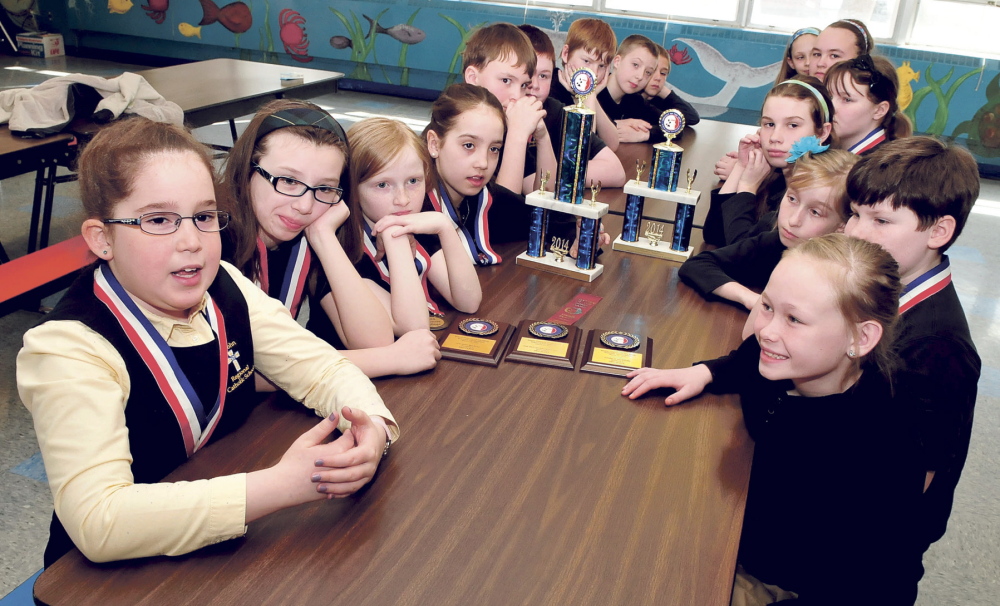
column 954, row 96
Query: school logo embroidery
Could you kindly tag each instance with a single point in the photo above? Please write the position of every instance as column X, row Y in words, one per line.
column 241, row 373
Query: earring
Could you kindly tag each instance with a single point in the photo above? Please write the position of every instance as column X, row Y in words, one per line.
column 104, row 252
column 851, row 354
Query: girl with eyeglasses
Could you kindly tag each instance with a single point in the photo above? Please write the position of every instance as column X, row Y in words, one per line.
column 285, row 183
column 151, row 355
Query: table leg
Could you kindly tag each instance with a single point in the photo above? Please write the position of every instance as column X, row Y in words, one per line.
column 36, row 209
column 50, row 190
column 232, row 129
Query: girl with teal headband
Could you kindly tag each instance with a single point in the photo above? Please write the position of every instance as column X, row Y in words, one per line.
column 286, row 181
column 796, row 118
column 797, row 54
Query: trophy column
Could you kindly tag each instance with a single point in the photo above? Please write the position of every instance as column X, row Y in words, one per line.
column 574, row 153
column 664, row 177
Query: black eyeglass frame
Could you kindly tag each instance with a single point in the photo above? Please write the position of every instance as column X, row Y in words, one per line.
column 222, row 218
column 273, row 180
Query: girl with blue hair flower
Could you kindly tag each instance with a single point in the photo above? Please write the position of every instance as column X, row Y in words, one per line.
column 796, row 118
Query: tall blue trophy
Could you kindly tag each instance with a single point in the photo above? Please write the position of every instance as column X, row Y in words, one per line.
column 664, row 177
column 568, row 197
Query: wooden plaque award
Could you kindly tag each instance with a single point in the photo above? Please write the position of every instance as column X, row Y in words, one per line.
column 615, row 352
column 475, row 340
column 545, row 343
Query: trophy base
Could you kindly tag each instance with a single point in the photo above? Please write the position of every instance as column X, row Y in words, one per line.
column 546, row 199
column 660, row 251
column 567, row 267
column 486, row 350
column 602, row 360
column 529, row 349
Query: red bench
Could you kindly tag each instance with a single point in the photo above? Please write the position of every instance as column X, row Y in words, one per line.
column 47, row 267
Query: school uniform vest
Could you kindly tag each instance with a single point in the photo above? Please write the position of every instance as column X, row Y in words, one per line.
column 155, row 439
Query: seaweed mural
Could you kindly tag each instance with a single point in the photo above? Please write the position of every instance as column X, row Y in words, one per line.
column 983, row 130
column 363, row 44
column 464, row 33
column 937, row 126
column 266, row 39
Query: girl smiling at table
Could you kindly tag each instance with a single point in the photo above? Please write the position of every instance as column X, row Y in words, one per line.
column 285, row 192
column 151, row 355
column 389, row 167
column 864, row 91
column 797, row 112
column 836, row 479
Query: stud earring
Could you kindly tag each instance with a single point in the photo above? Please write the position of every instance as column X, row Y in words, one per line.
column 851, row 354
column 104, row 252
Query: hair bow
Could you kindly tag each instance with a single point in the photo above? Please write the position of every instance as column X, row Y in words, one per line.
column 805, row 145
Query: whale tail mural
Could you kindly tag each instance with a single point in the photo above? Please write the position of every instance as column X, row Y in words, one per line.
column 734, row 74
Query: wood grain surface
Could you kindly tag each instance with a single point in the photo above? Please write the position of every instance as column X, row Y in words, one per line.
column 520, row 484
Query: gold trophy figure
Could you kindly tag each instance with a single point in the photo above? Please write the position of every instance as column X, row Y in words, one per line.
column 560, row 248
column 654, row 232
column 595, row 189
column 692, row 174
column 640, row 165
column 545, row 178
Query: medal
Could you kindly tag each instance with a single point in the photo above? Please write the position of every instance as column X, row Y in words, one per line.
column 620, row 340
column 478, row 327
column 548, row 330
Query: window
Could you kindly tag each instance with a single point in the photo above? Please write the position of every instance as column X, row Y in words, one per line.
column 965, row 26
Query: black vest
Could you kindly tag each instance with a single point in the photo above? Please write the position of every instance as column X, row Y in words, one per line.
column 155, row 439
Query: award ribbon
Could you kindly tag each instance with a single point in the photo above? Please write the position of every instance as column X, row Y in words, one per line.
column 476, row 244
column 421, row 260
column 195, row 424
column 575, row 309
column 294, row 282
column 927, row 285
column 871, row 141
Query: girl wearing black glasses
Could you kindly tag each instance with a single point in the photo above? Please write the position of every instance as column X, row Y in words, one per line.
column 285, row 184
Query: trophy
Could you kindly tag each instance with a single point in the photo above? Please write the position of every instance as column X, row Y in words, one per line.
column 664, row 176
column 476, row 340
column 568, row 194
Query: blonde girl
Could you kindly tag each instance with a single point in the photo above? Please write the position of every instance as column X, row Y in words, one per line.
column 835, row 491
column 405, row 250
column 815, row 204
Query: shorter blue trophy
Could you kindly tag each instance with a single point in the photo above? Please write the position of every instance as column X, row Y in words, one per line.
column 568, row 197
column 665, row 175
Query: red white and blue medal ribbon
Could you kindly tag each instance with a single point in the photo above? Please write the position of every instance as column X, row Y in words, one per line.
column 196, row 424
column 871, row 141
column 421, row 260
column 477, row 244
column 926, row 286
column 294, row 282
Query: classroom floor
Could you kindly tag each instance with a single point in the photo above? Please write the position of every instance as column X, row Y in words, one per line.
column 961, row 568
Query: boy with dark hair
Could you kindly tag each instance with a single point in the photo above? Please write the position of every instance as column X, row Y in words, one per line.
column 913, row 197
column 603, row 165
column 621, row 99
column 499, row 57
column 661, row 96
column 590, row 43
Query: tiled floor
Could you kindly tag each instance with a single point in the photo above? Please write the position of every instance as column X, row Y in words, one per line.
column 961, row 568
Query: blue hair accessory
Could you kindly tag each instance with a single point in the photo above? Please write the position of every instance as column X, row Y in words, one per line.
column 805, row 30
column 805, row 145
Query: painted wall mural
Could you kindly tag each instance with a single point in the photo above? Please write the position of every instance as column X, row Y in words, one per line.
column 418, row 43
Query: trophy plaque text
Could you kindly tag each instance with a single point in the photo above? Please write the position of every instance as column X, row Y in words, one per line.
column 615, row 352
column 475, row 340
column 545, row 343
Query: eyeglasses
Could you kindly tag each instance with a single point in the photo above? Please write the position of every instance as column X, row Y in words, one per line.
column 326, row 194
column 164, row 224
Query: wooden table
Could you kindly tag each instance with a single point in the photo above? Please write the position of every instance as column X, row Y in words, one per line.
column 41, row 156
column 703, row 143
column 513, row 485
column 222, row 89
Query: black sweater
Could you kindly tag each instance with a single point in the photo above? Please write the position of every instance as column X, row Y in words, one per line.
column 748, row 262
column 834, row 488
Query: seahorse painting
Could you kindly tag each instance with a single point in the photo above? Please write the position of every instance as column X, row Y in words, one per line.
column 906, row 75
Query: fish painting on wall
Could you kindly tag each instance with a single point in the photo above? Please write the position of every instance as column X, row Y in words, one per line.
column 235, row 17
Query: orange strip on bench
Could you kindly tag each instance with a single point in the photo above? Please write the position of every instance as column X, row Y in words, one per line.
column 29, row 272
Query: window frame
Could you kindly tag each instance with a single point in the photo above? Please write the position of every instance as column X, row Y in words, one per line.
column 906, row 18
